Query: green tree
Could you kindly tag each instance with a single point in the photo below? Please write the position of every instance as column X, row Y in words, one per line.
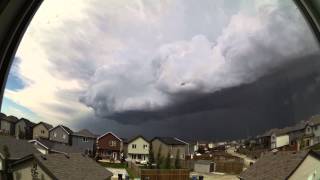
column 167, row 164
column 177, row 164
column 159, row 158
column 151, row 157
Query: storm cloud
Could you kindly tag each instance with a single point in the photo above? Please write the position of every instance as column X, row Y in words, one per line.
column 141, row 83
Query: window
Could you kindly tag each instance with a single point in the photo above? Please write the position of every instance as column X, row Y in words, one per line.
column 64, row 136
column 42, row 131
column 84, row 139
column 54, row 134
column 134, row 146
column 145, row 146
column 112, row 143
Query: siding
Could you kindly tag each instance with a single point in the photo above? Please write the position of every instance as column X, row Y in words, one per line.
column 37, row 132
column 78, row 142
column 23, row 171
column 139, row 142
column 104, row 143
column 20, row 126
column 166, row 148
column 61, row 135
column 309, row 168
column 6, row 127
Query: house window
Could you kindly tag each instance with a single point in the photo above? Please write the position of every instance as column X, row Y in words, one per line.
column 84, row 139
column 134, row 146
column 112, row 143
column 64, row 136
column 42, row 131
column 55, row 134
column 145, row 146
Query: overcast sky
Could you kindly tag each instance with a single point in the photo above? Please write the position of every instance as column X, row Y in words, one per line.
column 168, row 67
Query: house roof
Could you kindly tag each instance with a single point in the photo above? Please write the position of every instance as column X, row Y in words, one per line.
column 11, row 119
column 65, row 128
column 111, row 134
column 17, row 148
column 276, row 166
column 72, row 166
column 139, row 136
column 84, row 133
column 46, row 125
column 56, row 146
column 171, row 140
column 2, row 115
column 314, row 120
column 28, row 122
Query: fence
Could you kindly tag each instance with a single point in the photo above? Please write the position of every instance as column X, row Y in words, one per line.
column 165, row 174
column 231, row 167
column 135, row 169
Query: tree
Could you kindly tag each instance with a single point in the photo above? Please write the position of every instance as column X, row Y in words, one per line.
column 159, row 158
column 177, row 160
column 167, row 164
column 151, row 157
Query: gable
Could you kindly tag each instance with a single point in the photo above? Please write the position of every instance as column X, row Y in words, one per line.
column 138, row 140
column 59, row 129
column 109, row 135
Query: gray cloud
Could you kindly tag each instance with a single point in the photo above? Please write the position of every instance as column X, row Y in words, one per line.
column 249, row 47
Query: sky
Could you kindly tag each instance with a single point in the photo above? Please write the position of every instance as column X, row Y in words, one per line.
column 165, row 68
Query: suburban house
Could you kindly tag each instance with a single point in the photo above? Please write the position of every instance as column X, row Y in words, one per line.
column 314, row 123
column 41, row 130
column 59, row 166
column 61, row 134
column 138, row 149
column 20, row 160
column 274, row 138
column 289, row 165
column 109, row 146
column 84, row 140
column 7, row 125
column 170, row 145
column 46, row 146
column 13, row 150
column 23, row 129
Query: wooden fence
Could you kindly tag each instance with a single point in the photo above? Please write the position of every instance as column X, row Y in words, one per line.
column 165, row 174
column 231, row 167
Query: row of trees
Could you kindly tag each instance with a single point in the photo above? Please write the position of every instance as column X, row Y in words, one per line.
column 163, row 162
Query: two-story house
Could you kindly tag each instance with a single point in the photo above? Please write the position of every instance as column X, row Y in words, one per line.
column 23, row 129
column 170, row 145
column 138, row 149
column 109, row 146
column 7, row 125
column 61, row 134
column 41, row 130
column 274, row 138
column 84, row 140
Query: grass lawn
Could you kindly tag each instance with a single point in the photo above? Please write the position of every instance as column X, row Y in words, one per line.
column 114, row 165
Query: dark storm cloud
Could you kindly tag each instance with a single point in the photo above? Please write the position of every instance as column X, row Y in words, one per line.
column 280, row 99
